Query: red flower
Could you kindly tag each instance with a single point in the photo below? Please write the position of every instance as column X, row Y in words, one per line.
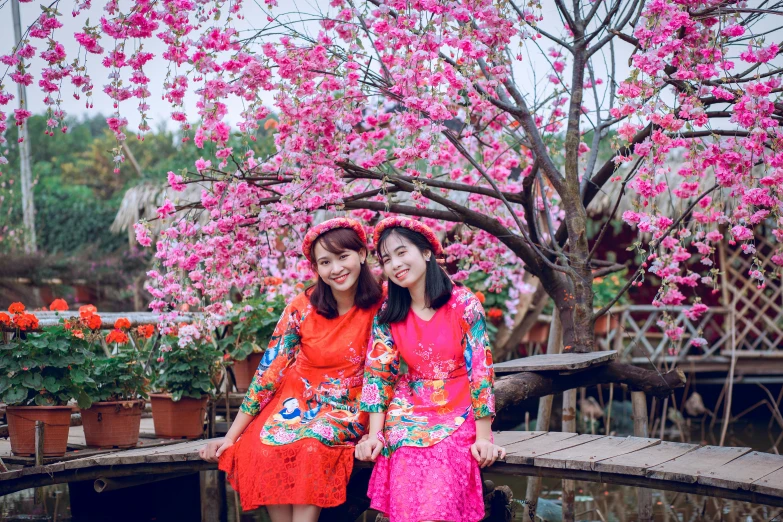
column 25, row 321
column 495, row 315
column 78, row 334
column 146, row 330
column 16, row 308
column 58, row 305
column 122, row 323
column 86, row 311
column 93, row 322
column 117, row 336
column 5, row 318
column 480, row 297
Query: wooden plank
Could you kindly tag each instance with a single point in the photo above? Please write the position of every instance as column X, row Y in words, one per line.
column 507, row 438
column 688, row 467
column 636, row 463
column 754, row 355
column 771, row 484
column 586, row 455
column 525, row 452
column 556, row 362
column 742, row 472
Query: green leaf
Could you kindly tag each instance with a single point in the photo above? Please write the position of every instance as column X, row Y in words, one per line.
column 15, row 395
column 83, row 400
column 32, row 380
column 78, row 376
column 51, row 385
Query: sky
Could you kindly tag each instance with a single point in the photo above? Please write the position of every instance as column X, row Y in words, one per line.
column 160, row 109
column 534, row 67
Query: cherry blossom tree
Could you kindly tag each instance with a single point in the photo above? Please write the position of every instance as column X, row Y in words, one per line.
column 484, row 118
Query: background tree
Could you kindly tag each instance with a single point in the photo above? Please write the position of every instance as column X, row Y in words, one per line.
column 472, row 115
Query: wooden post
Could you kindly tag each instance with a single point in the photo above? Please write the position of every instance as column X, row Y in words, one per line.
column 213, row 496
column 39, row 443
column 554, row 345
column 38, row 496
column 569, row 426
column 28, row 205
column 609, row 409
column 639, row 412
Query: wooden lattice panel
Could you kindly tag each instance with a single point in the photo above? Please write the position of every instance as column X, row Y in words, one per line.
column 758, row 312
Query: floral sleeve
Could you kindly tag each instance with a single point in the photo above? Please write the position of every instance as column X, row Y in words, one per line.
column 478, row 358
column 278, row 357
column 381, row 369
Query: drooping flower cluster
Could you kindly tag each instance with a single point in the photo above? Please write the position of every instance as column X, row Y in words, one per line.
column 687, row 70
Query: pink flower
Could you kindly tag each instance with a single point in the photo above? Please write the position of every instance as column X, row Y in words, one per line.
column 696, row 311
column 741, row 233
column 370, row 394
column 202, row 164
column 142, row 236
column 175, row 181
column 166, row 210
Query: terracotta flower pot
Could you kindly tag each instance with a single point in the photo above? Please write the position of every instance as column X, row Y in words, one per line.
column 245, row 370
column 606, row 324
column 21, row 428
column 538, row 333
column 183, row 419
column 112, row 424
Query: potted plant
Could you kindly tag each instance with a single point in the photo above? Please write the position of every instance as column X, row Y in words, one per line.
column 118, row 390
column 184, row 378
column 42, row 372
column 250, row 325
column 604, row 290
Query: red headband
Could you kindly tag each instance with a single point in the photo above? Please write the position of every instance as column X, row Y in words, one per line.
column 411, row 224
column 326, row 226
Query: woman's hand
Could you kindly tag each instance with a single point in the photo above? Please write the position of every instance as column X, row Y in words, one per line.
column 368, row 449
column 486, row 453
column 214, row 448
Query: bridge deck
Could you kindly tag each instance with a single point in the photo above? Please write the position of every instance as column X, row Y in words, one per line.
column 736, row 473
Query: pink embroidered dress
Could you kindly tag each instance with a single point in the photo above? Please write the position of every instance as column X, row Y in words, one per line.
column 305, row 397
column 426, row 471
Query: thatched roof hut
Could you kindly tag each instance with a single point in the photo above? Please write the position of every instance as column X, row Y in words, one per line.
column 142, row 201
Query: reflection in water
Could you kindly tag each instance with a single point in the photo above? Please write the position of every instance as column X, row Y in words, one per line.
column 49, row 503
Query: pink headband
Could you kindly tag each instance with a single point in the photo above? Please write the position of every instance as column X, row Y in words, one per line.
column 411, row 224
column 329, row 225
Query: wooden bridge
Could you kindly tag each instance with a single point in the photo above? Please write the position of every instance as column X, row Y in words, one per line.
column 731, row 473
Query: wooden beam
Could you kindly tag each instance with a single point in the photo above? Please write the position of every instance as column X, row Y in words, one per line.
column 514, row 389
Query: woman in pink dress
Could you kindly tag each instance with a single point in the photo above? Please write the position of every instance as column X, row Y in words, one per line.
column 430, row 429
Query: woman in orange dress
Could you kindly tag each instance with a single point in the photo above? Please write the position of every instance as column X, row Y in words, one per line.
column 290, row 447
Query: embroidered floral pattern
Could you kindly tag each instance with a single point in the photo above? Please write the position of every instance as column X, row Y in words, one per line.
column 311, row 376
column 450, row 373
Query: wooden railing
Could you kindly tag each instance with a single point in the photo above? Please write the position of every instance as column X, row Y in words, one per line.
column 639, row 339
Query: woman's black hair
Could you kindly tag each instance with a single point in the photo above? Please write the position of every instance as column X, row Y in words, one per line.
column 437, row 284
column 368, row 290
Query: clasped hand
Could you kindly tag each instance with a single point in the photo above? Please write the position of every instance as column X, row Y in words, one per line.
column 368, row 449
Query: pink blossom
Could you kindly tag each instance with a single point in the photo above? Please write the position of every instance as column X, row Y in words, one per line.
column 166, row 210
column 175, row 181
column 202, row 165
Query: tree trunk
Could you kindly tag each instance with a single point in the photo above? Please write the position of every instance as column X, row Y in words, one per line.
column 519, row 387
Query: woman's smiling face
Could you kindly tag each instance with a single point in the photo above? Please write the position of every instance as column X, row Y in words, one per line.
column 403, row 263
column 338, row 270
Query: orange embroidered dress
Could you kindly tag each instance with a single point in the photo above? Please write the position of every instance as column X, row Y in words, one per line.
column 305, row 394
